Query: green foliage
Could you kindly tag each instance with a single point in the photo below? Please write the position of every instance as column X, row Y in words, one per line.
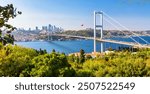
column 53, row 51
column 18, row 61
column 122, row 64
column 53, row 64
column 71, row 58
column 84, row 73
column 14, row 59
column 88, row 57
column 110, row 49
column 82, row 56
column 6, row 13
column 1, row 46
column 41, row 52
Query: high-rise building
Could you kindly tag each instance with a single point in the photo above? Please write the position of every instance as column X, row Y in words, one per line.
column 36, row 28
column 54, row 28
column 44, row 28
column 29, row 29
column 49, row 27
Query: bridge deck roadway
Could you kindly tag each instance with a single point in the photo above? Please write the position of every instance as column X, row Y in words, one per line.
column 106, row 40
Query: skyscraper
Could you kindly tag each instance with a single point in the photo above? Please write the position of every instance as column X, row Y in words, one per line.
column 49, row 27
column 36, row 28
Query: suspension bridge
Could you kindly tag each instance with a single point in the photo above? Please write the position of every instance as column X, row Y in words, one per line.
column 99, row 26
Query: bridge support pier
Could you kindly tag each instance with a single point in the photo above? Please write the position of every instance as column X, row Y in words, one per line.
column 102, row 47
column 98, row 26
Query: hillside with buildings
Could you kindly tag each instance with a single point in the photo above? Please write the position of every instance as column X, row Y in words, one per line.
column 22, row 34
column 43, row 33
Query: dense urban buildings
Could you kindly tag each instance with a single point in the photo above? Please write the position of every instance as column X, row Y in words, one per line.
column 38, row 33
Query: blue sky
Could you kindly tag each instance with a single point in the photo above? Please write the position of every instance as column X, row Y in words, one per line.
column 70, row 14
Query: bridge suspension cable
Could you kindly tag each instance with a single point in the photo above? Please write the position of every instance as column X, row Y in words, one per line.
column 125, row 27
column 121, row 30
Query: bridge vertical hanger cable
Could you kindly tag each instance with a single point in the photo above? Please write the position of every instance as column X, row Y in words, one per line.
column 121, row 30
column 125, row 27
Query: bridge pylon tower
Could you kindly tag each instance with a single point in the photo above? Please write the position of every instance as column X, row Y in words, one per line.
column 98, row 25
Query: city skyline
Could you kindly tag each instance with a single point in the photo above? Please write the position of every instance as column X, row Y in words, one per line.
column 48, row 27
column 78, row 14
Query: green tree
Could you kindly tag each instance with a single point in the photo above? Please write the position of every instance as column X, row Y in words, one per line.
column 16, row 61
column 82, row 56
column 71, row 58
column 53, row 51
column 51, row 65
column 6, row 13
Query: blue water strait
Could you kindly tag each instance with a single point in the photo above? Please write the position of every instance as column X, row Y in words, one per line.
column 71, row 46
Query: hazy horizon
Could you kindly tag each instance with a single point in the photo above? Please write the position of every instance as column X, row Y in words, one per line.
column 71, row 14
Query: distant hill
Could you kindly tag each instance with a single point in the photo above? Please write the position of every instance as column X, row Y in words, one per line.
column 90, row 33
column 106, row 33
